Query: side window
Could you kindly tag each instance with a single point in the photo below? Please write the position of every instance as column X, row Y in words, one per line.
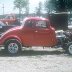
column 29, row 23
column 41, row 24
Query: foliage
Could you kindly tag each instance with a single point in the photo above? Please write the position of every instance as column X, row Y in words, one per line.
column 21, row 4
column 50, row 5
column 69, row 4
column 58, row 5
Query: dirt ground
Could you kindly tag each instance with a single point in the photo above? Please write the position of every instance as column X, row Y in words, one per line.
column 37, row 60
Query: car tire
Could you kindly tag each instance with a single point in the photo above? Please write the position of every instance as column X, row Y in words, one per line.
column 69, row 48
column 12, row 47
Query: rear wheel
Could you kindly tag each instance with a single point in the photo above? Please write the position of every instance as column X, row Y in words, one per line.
column 12, row 46
column 69, row 48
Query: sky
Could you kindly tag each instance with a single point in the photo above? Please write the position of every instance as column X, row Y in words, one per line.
column 9, row 6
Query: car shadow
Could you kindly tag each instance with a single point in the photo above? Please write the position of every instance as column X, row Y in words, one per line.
column 32, row 53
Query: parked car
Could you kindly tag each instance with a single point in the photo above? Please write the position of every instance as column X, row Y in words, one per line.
column 10, row 20
column 4, row 27
column 34, row 31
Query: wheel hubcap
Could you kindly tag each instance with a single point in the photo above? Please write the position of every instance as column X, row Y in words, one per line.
column 13, row 48
column 70, row 49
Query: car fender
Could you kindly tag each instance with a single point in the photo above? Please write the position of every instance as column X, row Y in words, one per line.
column 4, row 39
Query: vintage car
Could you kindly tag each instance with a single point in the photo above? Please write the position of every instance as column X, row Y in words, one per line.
column 10, row 20
column 34, row 31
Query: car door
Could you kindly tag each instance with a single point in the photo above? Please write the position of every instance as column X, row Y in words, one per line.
column 43, row 34
column 28, row 33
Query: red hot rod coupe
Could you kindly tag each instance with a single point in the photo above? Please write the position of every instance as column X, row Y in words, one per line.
column 34, row 31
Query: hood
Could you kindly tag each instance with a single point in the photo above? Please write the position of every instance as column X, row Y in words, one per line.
column 15, row 28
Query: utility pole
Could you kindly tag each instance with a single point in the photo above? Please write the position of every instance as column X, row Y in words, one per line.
column 3, row 9
column 19, row 10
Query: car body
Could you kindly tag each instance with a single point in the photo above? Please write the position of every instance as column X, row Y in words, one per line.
column 34, row 31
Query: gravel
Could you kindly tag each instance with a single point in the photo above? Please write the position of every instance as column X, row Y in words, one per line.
column 37, row 60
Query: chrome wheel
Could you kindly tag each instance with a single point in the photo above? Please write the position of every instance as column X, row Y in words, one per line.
column 13, row 48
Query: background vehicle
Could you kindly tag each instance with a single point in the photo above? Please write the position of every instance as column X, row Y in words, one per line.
column 64, row 40
column 34, row 31
column 8, row 22
column 4, row 27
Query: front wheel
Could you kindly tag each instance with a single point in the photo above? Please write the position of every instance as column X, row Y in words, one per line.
column 12, row 46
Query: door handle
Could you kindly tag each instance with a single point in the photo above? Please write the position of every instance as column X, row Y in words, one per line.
column 36, row 31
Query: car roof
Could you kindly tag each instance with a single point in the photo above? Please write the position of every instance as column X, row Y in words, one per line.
column 35, row 18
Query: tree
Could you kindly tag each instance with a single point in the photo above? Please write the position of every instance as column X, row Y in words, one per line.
column 64, row 5
column 20, row 4
column 38, row 9
column 50, row 5
column 61, row 5
column 69, row 5
column 58, row 5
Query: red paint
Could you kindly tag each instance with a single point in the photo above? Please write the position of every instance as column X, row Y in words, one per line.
column 32, row 35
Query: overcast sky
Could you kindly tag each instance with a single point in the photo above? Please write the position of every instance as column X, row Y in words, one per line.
column 9, row 6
